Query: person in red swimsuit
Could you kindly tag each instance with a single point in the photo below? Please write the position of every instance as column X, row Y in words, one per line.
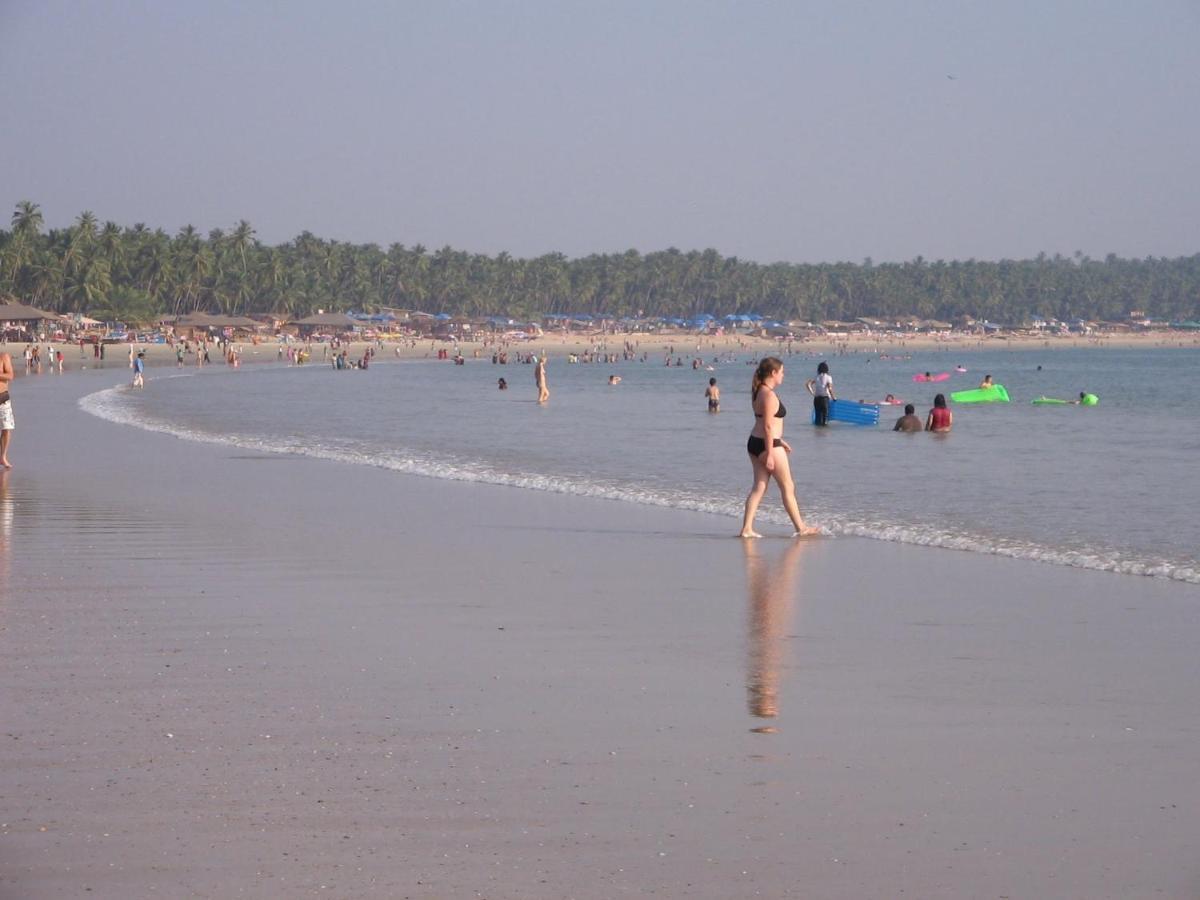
column 940, row 418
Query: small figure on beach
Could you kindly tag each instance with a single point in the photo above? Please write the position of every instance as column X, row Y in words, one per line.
column 940, row 418
column 539, row 377
column 821, row 389
column 501, row 384
column 6, row 416
column 908, row 421
column 769, row 451
column 139, row 369
column 614, row 379
column 713, row 394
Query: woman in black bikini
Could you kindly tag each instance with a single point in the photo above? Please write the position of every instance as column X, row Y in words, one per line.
column 768, row 450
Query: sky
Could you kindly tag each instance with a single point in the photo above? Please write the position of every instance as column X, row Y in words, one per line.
column 772, row 131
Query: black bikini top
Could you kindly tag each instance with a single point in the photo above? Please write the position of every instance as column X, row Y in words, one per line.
column 779, row 413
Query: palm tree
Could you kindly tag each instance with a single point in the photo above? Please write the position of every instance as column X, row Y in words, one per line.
column 240, row 238
column 88, row 284
column 26, row 227
column 27, row 219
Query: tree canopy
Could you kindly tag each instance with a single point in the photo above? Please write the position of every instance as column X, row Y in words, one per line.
column 136, row 273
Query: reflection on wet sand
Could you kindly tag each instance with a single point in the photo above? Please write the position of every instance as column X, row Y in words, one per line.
column 6, row 529
column 770, row 591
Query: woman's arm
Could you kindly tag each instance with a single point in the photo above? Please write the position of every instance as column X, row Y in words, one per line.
column 829, row 388
column 929, row 421
column 808, row 385
column 771, row 426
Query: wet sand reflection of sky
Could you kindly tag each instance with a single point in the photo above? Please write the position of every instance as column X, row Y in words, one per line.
column 6, row 529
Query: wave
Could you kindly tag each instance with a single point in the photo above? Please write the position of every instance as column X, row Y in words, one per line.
column 108, row 404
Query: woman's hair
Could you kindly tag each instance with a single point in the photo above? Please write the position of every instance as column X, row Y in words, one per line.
column 767, row 367
column 822, row 368
column 940, row 401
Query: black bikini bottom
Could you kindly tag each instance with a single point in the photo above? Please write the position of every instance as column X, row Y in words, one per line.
column 756, row 445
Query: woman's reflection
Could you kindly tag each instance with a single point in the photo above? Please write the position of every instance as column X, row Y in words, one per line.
column 769, row 586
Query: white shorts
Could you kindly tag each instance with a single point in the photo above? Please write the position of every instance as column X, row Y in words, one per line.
column 6, row 416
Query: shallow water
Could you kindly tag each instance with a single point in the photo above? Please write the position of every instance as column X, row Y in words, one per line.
column 1111, row 487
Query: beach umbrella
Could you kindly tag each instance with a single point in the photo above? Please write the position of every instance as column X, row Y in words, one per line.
column 442, row 316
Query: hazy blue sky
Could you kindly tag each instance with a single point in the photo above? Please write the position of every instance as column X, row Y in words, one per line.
column 804, row 131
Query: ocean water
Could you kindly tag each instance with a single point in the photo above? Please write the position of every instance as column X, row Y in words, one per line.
column 1113, row 487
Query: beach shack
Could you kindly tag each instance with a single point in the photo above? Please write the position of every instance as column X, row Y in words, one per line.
column 19, row 322
column 198, row 324
column 325, row 323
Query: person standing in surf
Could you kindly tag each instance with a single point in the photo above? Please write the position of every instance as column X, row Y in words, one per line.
column 6, row 417
column 539, row 376
column 821, row 388
column 713, row 394
column 769, row 451
column 940, row 419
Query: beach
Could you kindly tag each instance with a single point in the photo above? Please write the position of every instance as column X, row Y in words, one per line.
column 233, row 673
column 683, row 344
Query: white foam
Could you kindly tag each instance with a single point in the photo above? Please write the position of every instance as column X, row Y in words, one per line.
column 109, row 404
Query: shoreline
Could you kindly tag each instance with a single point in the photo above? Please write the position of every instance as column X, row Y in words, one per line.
column 685, row 346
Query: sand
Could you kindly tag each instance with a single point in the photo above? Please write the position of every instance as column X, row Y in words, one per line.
column 235, row 675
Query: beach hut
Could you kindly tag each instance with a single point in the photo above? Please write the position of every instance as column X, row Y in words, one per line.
column 21, row 322
column 202, row 324
column 329, row 323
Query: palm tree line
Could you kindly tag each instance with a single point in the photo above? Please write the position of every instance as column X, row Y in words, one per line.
column 137, row 274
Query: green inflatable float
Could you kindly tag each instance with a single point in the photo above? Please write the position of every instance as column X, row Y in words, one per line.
column 1085, row 399
column 994, row 394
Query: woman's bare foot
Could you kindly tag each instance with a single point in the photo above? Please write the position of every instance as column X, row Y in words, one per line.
column 807, row 531
column 749, row 534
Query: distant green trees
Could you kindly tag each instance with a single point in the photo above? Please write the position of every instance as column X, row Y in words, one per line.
column 137, row 273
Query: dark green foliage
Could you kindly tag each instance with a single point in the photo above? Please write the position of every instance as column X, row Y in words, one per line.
column 142, row 273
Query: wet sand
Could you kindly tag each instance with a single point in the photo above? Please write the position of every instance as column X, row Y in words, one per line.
column 229, row 674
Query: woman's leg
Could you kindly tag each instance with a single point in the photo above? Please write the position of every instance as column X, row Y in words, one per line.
column 761, row 477
column 787, row 491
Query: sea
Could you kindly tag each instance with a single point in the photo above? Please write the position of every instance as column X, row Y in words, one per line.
column 1114, row 487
